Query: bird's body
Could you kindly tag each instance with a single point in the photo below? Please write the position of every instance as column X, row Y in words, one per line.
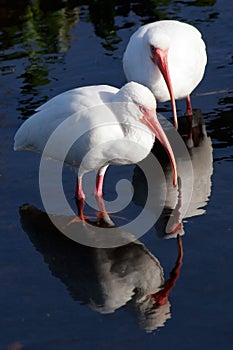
column 101, row 125
column 167, row 56
column 86, row 109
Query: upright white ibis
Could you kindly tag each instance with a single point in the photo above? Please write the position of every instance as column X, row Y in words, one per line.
column 120, row 126
column 169, row 57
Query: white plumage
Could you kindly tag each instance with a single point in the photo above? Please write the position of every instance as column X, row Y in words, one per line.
column 110, row 126
column 167, row 56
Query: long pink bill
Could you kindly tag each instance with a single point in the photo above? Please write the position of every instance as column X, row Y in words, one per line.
column 160, row 58
column 154, row 125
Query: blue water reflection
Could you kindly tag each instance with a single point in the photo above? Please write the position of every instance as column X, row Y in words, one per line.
column 105, row 279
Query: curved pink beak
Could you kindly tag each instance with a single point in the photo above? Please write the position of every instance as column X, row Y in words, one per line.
column 153, row 124
column 160, row 58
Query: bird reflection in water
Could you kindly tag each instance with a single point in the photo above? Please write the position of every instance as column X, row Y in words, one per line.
column 105, row 279
column 192, row 195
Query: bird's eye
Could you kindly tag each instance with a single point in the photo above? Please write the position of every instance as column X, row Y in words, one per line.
column 142, row 109
column 152, row 49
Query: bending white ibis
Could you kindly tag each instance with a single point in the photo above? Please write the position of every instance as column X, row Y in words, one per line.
column 120, row 126
column 169, row 57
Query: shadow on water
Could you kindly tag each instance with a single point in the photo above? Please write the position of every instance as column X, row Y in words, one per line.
column 105, row 279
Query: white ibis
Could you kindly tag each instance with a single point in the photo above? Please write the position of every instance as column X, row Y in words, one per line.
column 169, row 57
column 120, row 126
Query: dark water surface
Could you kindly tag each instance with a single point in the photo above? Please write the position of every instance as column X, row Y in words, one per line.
column 57, row 294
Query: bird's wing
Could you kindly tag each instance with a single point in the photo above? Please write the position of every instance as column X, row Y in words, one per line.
column 87, row 96
column 34, row 132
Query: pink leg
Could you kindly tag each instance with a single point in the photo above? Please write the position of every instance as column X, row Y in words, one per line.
column 99, row 192
column 189, row 110
column 102, row 209
column 104, row 219
column 100, row 181
column 80, row 197
column 80, row 205
column 79, row 194
column 189, row 115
